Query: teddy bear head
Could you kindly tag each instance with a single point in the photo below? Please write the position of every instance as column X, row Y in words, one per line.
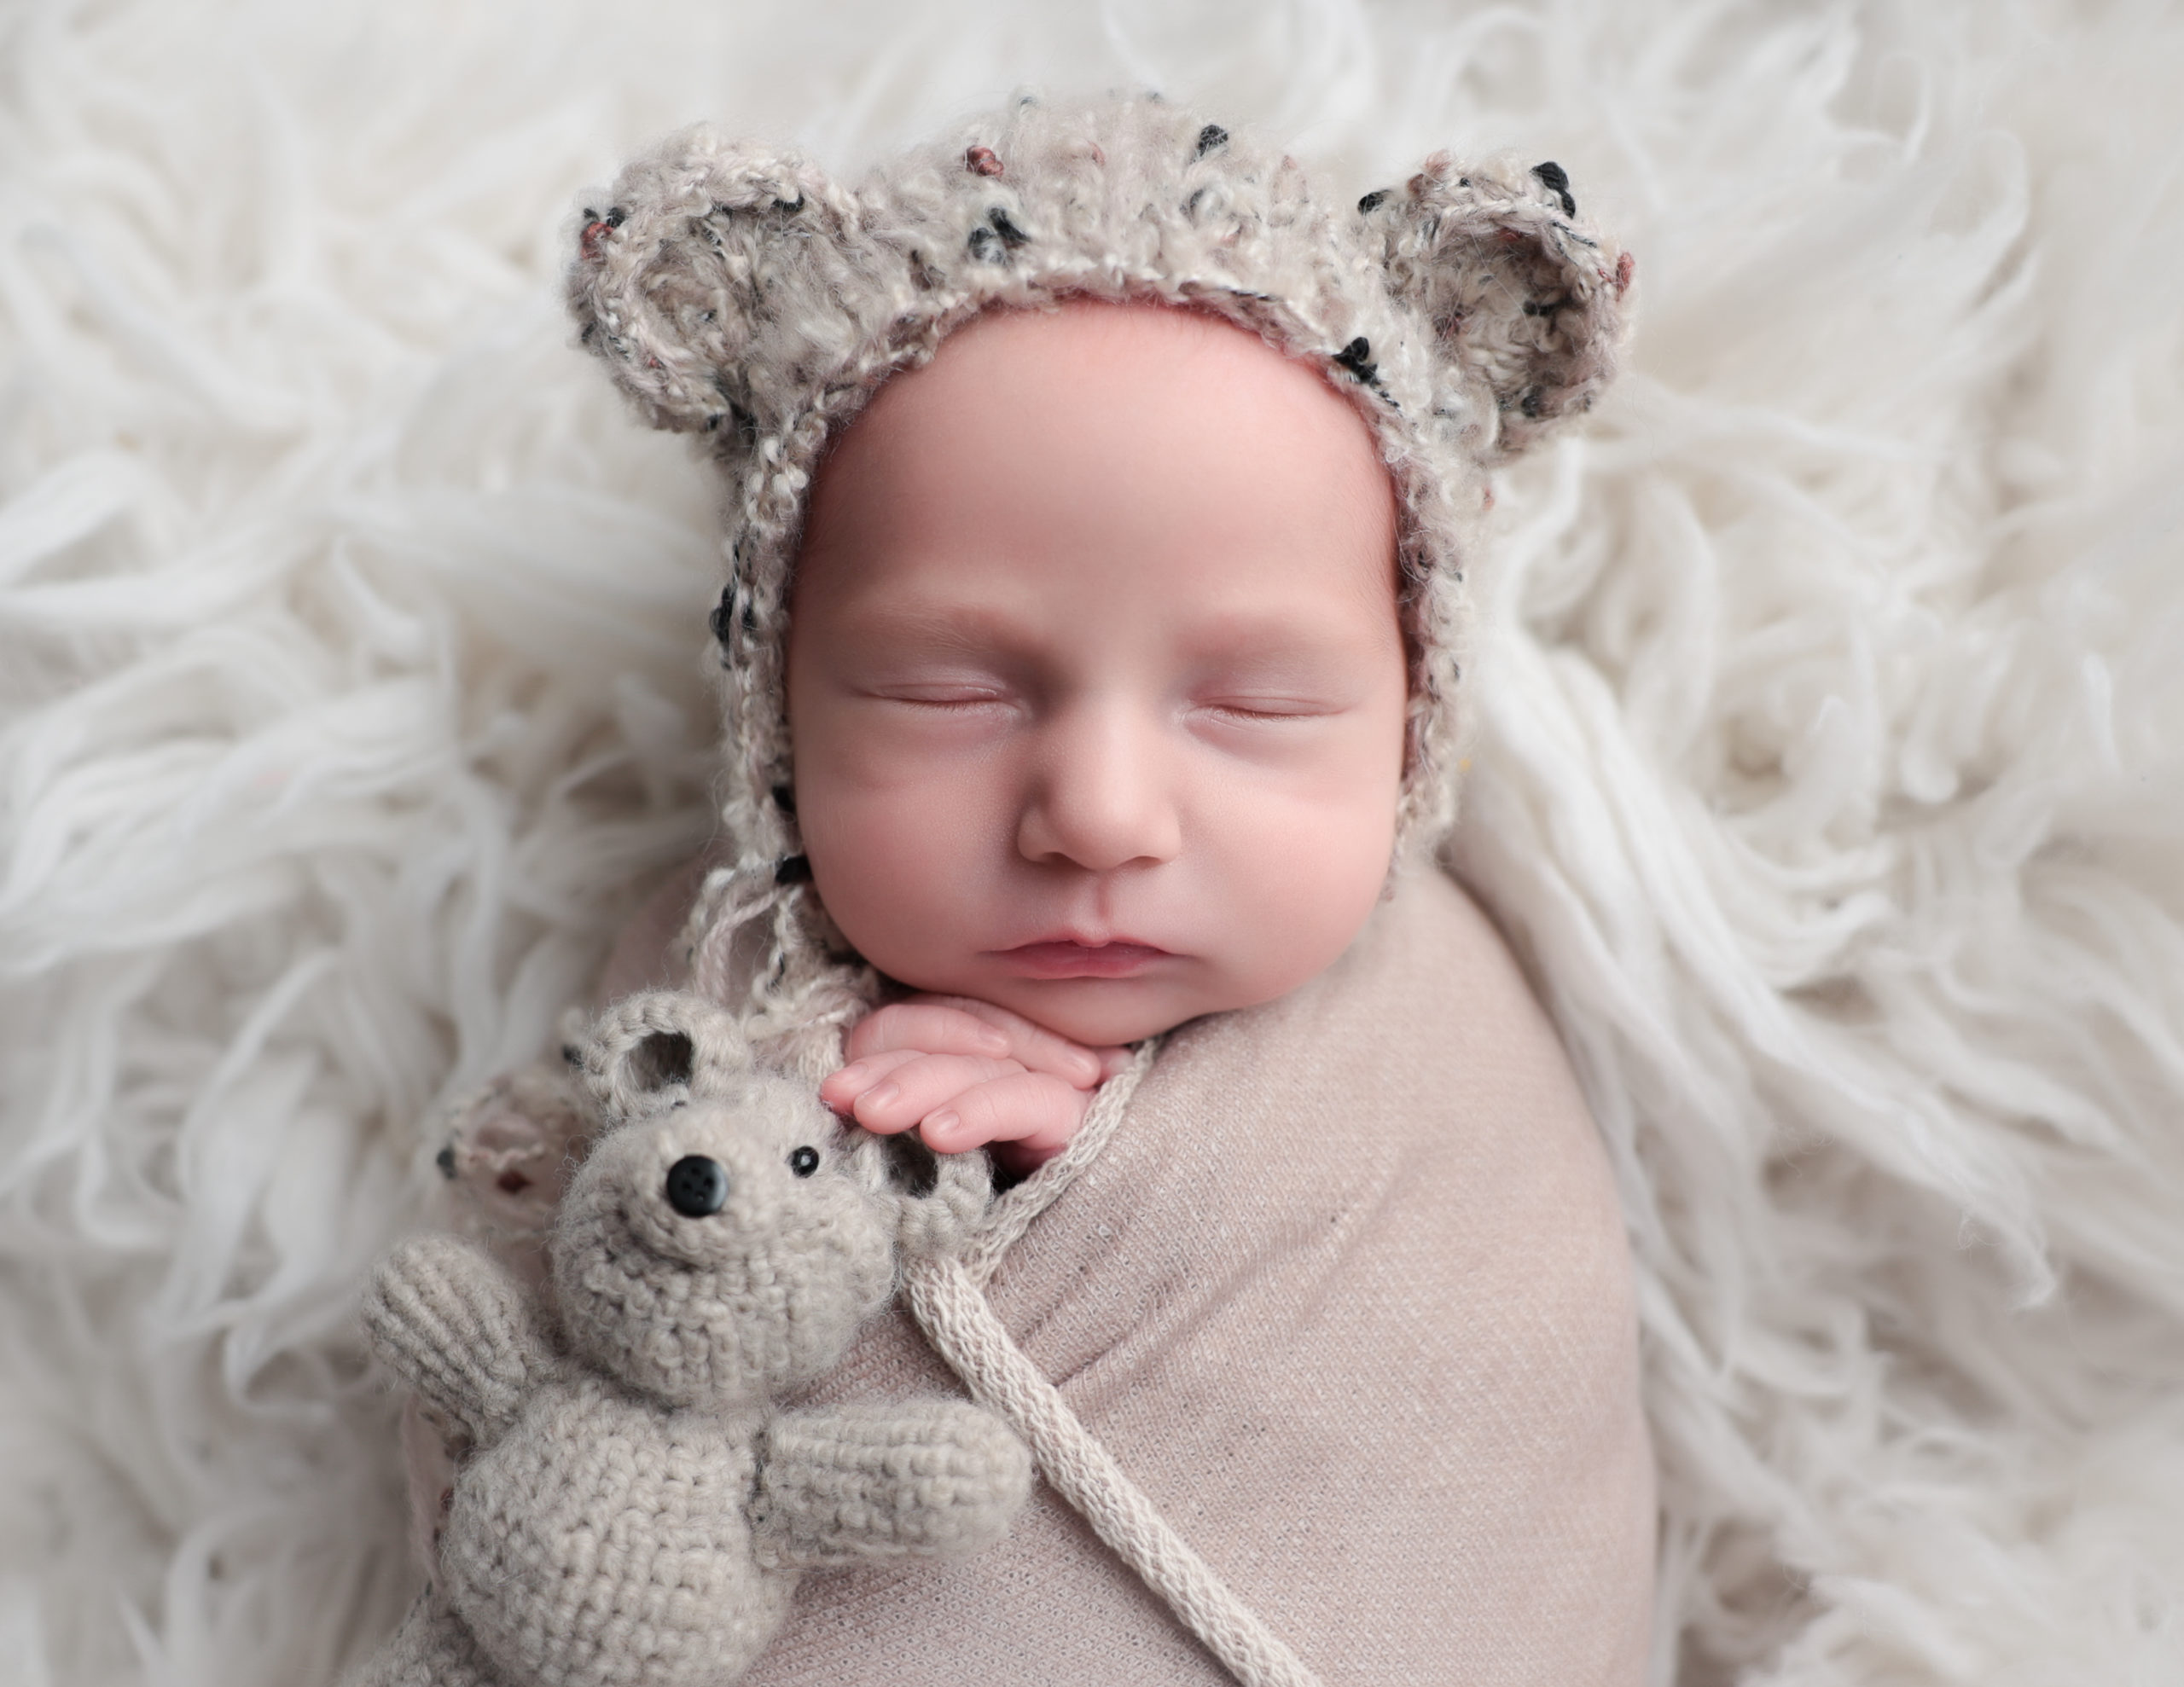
column 727, row 1236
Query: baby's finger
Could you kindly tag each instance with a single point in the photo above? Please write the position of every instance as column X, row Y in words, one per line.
column 919, row 1085
column 1034, row 1046
column 928, row 1025
column 841, row 1088
column 1035, row 1109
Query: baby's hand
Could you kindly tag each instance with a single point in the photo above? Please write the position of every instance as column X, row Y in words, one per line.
column 967, row 1073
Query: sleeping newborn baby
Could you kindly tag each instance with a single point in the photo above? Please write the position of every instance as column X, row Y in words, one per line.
column 1097, row 692
column 1099, row 507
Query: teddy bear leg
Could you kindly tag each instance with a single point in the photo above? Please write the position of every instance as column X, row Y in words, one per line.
column 431, row 1648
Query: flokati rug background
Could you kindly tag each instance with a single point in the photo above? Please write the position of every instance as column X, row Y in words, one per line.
column 351, row 644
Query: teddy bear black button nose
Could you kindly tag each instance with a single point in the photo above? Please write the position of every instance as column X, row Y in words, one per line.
column 697, row 1186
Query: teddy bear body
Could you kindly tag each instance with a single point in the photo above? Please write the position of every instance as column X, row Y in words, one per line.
column 632, row 1508
column 631, row 1522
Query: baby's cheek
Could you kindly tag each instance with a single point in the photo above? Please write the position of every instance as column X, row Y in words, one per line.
column 1303, row 873
column 896, row 863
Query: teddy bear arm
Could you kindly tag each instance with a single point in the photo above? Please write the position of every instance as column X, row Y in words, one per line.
column 456, row 1328
column 843, row 1485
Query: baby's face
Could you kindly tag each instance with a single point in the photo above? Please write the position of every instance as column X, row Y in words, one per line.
column 1096, row 686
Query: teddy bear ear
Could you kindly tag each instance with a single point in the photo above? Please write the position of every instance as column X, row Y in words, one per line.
column 1526, row 303
column 939, row 1197
column 650, row 1051
column 707, row 245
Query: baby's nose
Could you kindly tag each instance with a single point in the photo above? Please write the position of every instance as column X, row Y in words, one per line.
column 1101, row 794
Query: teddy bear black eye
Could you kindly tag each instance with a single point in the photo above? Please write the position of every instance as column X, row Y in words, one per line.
column 697, row 1186
column 803, row 1160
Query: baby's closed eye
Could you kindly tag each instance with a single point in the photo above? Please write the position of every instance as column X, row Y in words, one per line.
column 943, row 696
column 1265, row 708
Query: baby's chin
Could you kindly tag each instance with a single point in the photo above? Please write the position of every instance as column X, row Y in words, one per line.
column 1100, row 1012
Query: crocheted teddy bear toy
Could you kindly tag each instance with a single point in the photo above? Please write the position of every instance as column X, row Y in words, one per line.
column 632, row 1508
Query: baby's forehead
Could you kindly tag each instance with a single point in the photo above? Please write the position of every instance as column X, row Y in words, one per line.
column 1149, row 360
column 1120, row 438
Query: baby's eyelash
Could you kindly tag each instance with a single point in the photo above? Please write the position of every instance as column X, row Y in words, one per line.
column 1269, row 709
column 951, row 696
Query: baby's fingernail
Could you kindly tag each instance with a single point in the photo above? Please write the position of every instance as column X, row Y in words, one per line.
column 849, row 1074
column 882, row 1096
column 992, row 1042
column 939, row 1124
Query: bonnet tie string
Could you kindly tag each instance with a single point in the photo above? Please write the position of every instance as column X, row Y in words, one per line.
column 947, row 1296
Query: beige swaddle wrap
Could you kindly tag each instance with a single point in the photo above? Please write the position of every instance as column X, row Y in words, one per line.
column 1345, row 1293
column 1347, row 1296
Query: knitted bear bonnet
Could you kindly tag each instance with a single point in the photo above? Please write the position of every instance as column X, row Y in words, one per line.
column 739, row 293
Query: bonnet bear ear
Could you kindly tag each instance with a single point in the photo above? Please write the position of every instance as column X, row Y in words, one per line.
column 652, row 1050
column 1526, row 302
column 711, row 250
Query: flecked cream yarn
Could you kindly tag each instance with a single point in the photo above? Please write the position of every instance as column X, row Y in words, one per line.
column 632, row 1512
column 738, row 292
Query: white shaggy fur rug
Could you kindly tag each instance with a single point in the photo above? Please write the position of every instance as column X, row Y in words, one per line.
column 350, row 695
